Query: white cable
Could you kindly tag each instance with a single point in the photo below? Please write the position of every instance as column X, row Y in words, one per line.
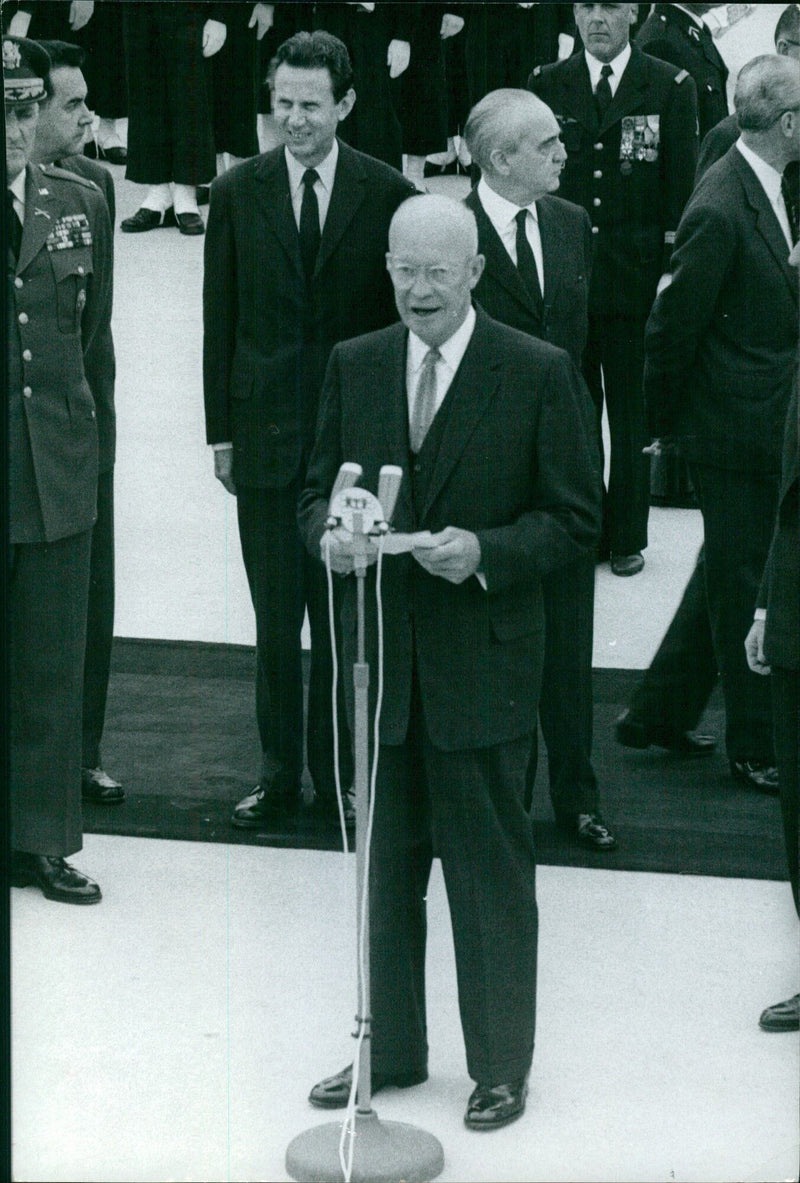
column 334, row 681
column 348, row 1125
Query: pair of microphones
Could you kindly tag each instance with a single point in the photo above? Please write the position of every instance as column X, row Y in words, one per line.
column 357, row 510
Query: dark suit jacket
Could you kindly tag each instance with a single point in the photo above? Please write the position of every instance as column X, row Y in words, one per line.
column 716, row 143
column 59, row 310
column 634, row 204
column 673, row 36
column 722, row 338
column 780, row 587
column 104, row 394
column 267, row 333
column 567, row 250
column 514, row 466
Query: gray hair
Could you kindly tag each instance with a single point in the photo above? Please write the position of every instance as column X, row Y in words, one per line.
column 500, row 120
column 766, row 87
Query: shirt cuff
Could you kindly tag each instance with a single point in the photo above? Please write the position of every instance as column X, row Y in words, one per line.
column 760, row 614
column 222, row 447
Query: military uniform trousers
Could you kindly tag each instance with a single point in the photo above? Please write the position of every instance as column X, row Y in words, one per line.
column 99, row 622
column 467, row 808
column 48, row 587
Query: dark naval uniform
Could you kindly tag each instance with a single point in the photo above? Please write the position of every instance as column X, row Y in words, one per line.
column 59, row 293
column 633, row 172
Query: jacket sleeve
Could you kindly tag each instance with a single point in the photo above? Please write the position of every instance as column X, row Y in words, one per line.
column 98, row 345
column 325, row 461
column 679, row 157
column 219, row 314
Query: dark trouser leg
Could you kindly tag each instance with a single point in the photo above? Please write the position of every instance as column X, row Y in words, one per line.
column 149, row 151
column 674, row 692
column 566, row 706
column 189, row 95
column 274, row 561
column 738, row 514
column 786, row 710
column 48, row 589
column 99, row 622
column 484, row 836
column 319, row 728
column 616, row 348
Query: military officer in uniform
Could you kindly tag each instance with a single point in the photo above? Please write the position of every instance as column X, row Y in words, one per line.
column 59, row 310
column 675, row 33
column 629, row 125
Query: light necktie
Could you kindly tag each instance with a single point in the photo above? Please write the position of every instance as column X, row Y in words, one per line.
column 424, row 409
column 13, row 225
column 602, row 94
column 526, row 261
column 310, row 234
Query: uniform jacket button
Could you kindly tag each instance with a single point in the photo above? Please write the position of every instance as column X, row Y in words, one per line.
column 23, row 318
column 27, row 355
column 595, row 229
column 597, row 174
column 598, row 147
column 596, row 201
column 18, row 283
column 26, row 390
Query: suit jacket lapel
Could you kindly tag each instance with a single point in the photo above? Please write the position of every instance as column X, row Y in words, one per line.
column 550, row 253
column 498, row 260
column 41, row 214
column 276, row 204
column 767, row 222
column 389, row 383
column 349, row 187
column 577, row 98
column 629, row 92
column 474, row 386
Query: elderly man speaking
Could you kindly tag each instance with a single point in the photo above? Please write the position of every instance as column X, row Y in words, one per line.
column 486, row 425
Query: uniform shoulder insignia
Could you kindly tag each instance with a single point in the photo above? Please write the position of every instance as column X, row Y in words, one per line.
column 681, row 76
column 61, row 174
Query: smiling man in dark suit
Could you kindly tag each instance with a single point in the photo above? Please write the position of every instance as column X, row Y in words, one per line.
column 486, row 423
column 538, row 252
column 721, row 349
column 295, row 261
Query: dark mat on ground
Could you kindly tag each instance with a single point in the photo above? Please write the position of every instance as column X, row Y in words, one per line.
column 180, row 733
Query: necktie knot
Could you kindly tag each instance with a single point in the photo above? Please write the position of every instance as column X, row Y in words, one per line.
column 310, row 177
column 606, row 71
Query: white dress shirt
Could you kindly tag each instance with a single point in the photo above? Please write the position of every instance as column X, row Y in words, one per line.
column 502, row 214
column 617, row 65
column 17, row 188
column 326, row 170
column 451, row 352
column 770, row 181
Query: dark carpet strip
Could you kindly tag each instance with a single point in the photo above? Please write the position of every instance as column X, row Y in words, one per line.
column 181, row 735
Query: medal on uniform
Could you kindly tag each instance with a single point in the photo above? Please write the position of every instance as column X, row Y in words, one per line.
column 70, row 231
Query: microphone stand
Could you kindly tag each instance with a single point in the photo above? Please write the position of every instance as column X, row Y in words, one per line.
column 384, row 1151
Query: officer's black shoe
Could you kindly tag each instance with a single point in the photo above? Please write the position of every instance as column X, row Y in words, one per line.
column 493, row 1106
column 633, row 734
column 627, row 564
column 334, row 1091
column 98, row 786
column 190, row 223
column 589, row 830
column 756, row 775
column 265, row 806
column 148, row 219
column 56, row 879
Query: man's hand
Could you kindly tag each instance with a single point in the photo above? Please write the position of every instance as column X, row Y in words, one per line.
column 665, row 446
column 754, row 648
column 398, row 56
column 263, row 17
column 214, row 34
column 223, row 468
column 339, row 543
column 80, row 13
column 455, row 555
column 451, row 24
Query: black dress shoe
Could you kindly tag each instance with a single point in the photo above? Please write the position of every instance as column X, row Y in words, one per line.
column 334, row 1091
column 55, row 877
column 683, row 743
column 190, row 223
column 588, row 829
column 627, row 564
column 265, row 806
column 492, row 1106
column 783, row 1016
column 756, row 775
column 98, row 786
column 148, row 219
column 203, row 194
column 329, row 810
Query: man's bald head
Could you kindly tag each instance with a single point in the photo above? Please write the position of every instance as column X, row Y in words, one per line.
column 434, row 264
column 767, row 102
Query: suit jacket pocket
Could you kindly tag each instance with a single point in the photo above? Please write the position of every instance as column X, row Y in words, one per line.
column 71, row 270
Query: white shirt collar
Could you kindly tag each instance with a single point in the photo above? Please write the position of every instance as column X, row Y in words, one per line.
column 692, row 15
column 452, row 350
column 617, row 64
column 500, row 210
column 769, row 177
column 326, row 169
column 17, row 186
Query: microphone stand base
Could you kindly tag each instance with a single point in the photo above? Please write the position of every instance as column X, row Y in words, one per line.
column 384, row 1152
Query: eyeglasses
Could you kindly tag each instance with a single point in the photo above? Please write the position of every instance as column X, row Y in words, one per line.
column 405, row 275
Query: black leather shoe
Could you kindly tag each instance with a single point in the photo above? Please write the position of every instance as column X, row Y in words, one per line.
column 203, row 194
column 329, row 810
column 756, row 775
column 493, row 1106
column 683, row 743
column 265, row 806
column 190, row 223
column 148, row 219
column 627, row 564
column 783, row 1016
column 588, row 829
column 334, row 1091
column 98, row 786
column 55, row 877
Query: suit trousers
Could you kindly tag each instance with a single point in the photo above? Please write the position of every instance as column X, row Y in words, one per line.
column 676, row 688
column 99, row 622
column 739, row 511
column 48, row 587
column 786, row 713
column 467, row 808
column 285, row 581
column 566, row 710
column 613, row 366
